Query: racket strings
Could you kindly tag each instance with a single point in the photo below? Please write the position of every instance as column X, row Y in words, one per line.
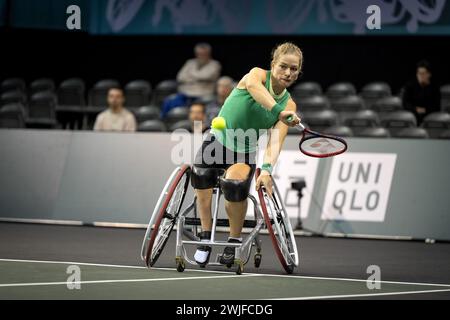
column 322, row 146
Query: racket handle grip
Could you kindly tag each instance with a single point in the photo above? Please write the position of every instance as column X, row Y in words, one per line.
column 291, row 118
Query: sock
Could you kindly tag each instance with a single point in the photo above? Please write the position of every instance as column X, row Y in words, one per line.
column 233, row 238
column 201, row 256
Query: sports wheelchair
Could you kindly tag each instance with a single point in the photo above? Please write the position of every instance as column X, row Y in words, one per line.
column 169, row 213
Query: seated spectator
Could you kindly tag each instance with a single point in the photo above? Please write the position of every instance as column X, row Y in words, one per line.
column 196, row 79
column 223, row 89
column 116, row 117
column 197, row 116
column 421, row 95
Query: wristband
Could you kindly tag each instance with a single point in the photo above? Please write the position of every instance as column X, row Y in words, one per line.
column 268, row 167
column 276, row 109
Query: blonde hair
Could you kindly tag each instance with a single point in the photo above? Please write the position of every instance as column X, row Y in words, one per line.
column 286, row 48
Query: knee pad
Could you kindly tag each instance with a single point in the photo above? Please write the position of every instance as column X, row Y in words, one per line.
column 203, row 178
column 235, row 190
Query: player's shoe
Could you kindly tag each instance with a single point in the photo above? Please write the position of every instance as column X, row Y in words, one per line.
column 229, row 252
column 203, row 252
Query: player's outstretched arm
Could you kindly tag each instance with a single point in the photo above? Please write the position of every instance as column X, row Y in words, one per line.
column 277, row 136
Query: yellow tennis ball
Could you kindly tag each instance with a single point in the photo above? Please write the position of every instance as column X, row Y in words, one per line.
column 218, row 123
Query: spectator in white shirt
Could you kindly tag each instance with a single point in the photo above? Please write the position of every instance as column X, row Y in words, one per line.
column 198, row 76
column 116, row 117
column 196, row 79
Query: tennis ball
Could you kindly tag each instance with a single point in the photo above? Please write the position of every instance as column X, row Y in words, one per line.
column 218, row 123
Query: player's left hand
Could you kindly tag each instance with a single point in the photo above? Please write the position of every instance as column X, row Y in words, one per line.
column 265, row 180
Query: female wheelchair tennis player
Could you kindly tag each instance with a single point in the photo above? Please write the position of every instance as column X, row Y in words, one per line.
column 226, row 164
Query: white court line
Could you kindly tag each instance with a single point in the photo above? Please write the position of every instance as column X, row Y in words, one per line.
column 361, row 295
column 109, row 265
column 229, row 272
column 116, row 266
column 356, row 280
column 73, row 262
column 31, row 284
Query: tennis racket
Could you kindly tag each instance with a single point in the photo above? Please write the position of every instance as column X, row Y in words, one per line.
column 319, row 145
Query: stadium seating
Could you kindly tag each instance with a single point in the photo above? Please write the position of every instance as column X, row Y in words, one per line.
column 445, row 135
column 387, row 104
column 183, row 124
column 340, row 90
column 373, row 113
column 378, row 132
column 398, row 120
column 374, row 91
column 42, row 110
column 313, row 103
column 13, row 84
column 341, row 131
column 445, row 95
column 305, row 89
column 98, row 93
column 42, row 84
column 177, row 114
column 152, row 126
column 349, row 103
column 12, row 116
column 145, row 113
column 416, row 133
column 164, row 89
column 446, row 107
column 71, row 92
column 436, row 123
column 14, row 96
column 320, row 120
column 137, row 93
column 361, row 120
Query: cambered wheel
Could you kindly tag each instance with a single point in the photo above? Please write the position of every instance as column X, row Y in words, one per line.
column 165, row 215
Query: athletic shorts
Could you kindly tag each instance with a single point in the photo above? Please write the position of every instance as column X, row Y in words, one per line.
column 207, row 157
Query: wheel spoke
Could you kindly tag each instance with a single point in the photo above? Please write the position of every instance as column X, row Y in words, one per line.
column 163, row 234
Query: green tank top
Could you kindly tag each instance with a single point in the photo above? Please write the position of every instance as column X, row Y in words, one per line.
column 246, row 120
